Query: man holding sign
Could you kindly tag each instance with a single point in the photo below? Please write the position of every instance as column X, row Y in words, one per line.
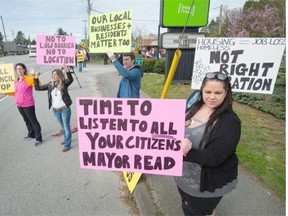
column 130, row 83
column 129, row 87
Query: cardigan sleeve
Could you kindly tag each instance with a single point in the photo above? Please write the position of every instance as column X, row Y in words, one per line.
column 30, row 80
column 222, row 143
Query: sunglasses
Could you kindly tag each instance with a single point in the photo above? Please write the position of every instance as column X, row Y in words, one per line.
column 219, row 76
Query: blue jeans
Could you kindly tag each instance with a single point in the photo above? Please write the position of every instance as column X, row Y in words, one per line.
column 80, row 66
column 63, row 118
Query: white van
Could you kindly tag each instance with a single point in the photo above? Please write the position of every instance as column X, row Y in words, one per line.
column 32, row 51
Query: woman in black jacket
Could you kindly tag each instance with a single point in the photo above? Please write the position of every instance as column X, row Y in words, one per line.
column 212, row 133
column 60, row 100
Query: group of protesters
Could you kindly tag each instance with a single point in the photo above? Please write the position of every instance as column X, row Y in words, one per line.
column 212, row 128
column 58, row 98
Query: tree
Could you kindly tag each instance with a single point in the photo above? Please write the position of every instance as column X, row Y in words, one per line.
column 253, row 22
column 279, row 16
column 260, row 23
column 213, row 28
column 60, row 31
column 280, row 6
column 1, row 37
column 261, row 18
column 264, row 18
column 233, row 20
column 1, row 44
column 33, row 42
column 20, row 36
column 218, row 27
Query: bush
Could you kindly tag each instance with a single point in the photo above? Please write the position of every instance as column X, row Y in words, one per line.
column 148, row 65
column 159, row 66
column 273, row 104
column 153, row 66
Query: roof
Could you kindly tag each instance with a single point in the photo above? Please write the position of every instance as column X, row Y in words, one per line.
column 148, row 41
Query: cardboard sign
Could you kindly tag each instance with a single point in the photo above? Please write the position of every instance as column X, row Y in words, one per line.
column 133, row 135
column 252, row 64
column 110, row 32
column 131, row 179
column 55, row 50
column 7, row 78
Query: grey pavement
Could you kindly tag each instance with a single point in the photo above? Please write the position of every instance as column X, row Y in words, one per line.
column 158, row 195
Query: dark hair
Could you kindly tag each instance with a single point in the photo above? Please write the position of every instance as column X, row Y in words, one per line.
column 225, row 107
column 23, row 66
column 131, row 54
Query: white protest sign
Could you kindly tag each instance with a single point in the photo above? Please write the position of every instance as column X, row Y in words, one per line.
column 252, row 64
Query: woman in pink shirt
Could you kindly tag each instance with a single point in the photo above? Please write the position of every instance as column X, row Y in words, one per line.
column 24, row 100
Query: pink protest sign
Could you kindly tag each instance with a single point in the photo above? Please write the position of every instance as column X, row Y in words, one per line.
column 55, row 50
column 134, row 135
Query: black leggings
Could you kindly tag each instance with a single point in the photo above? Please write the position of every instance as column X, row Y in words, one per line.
column 32, row 124
column 193, row 206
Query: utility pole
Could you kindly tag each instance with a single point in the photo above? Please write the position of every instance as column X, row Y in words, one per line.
column 220, row 20
column 89, row 12
column 89, row 8
column 85, row 30
column 3, row 29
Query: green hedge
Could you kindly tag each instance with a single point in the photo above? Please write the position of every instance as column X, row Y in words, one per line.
column 273, row 104
column 154, row 66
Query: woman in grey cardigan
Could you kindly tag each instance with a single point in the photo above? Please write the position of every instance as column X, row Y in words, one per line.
column 212, row 133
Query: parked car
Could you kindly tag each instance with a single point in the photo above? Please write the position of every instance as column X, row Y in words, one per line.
column 32, row 51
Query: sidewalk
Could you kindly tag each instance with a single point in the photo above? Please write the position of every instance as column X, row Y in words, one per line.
column 157, row 195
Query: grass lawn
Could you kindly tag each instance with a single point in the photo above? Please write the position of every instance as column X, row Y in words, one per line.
column 261, row 150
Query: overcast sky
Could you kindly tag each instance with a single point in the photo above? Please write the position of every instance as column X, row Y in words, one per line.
column 46, row 16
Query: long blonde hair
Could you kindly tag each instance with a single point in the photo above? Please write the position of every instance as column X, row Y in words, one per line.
column 59, row 84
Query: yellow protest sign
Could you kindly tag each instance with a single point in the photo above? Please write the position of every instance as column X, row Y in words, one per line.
column 110, row 32
column 7, row 78
column 83, row 44
column 131, row 179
